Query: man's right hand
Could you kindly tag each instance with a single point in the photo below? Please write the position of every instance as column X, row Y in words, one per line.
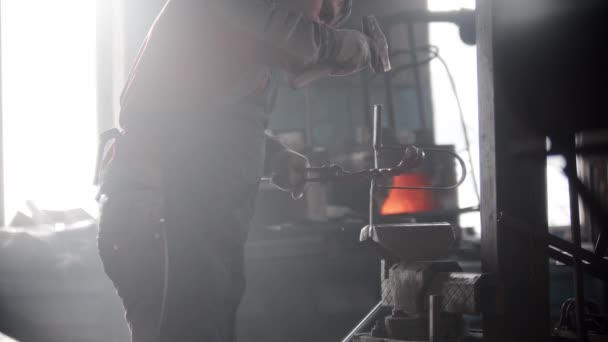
column 349, row 51
column 352, row 52
column 289, row 172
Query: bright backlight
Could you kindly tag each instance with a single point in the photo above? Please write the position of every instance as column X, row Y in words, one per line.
column 49, row 102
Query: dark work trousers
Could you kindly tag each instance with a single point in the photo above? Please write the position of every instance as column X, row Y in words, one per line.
column 175, row 256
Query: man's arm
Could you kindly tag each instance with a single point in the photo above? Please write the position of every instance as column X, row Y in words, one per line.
column 296, row 40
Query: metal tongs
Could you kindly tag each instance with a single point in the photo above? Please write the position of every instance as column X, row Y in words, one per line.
column 412, row 157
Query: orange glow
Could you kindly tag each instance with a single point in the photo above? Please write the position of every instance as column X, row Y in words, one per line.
column 408, row 201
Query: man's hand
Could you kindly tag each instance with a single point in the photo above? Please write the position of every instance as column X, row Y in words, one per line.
column 357, row 51
column 352, row 52
column 288, row 172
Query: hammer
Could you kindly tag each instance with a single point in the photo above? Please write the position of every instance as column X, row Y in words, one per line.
column 380, row 60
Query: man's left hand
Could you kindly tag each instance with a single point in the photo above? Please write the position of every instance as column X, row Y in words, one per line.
column 289, row 172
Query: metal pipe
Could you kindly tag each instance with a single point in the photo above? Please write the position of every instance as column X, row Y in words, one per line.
column 597, row 263
column 595, row 208
column 364, row 323
column 389, row 96
column 377, row 146
column 568, row 260
column 377, row 140
column 456, row 17
column 435, row 318
column 2, row 198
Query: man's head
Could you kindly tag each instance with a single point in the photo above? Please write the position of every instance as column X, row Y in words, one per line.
column 330, row 12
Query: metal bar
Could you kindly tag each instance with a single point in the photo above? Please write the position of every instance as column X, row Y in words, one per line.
column 455, row 17
column 599, row 213
column 2, row 198
column 567, row 260
column 427, row 215
column 575, row 227
column 377, row 145
column 435, row 318
column 364, row 323
column 411, row 37
column 595, row 208
column 388, row 91
column 377, row 141
column 553, row 241
column 372, row 206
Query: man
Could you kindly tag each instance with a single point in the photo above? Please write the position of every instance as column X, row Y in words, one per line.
column 179, row 190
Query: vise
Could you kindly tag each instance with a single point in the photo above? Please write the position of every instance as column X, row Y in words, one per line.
column 424, row 298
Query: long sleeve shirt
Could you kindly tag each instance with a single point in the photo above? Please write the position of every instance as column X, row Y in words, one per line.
column 200, row 92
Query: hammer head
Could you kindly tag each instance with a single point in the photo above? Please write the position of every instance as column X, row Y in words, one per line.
column 379, row 46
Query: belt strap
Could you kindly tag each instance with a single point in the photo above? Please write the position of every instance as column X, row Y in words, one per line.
column 104, row 138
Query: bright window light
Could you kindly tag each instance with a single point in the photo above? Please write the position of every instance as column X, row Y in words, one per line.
column 49, row 103
column 462, row 61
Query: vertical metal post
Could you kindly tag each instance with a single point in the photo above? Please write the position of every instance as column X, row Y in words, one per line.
column 377, row 144
column 416, row 70
column 2, row 218
column 377, row 133
column 388, row 91
column 575, row 228
column 435, row 318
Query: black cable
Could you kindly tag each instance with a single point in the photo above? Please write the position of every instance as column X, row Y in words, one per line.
column 433, row 52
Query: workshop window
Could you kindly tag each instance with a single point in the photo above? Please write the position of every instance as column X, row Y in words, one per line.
column 461, row 63
column 460, row 59
column 49, row 103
